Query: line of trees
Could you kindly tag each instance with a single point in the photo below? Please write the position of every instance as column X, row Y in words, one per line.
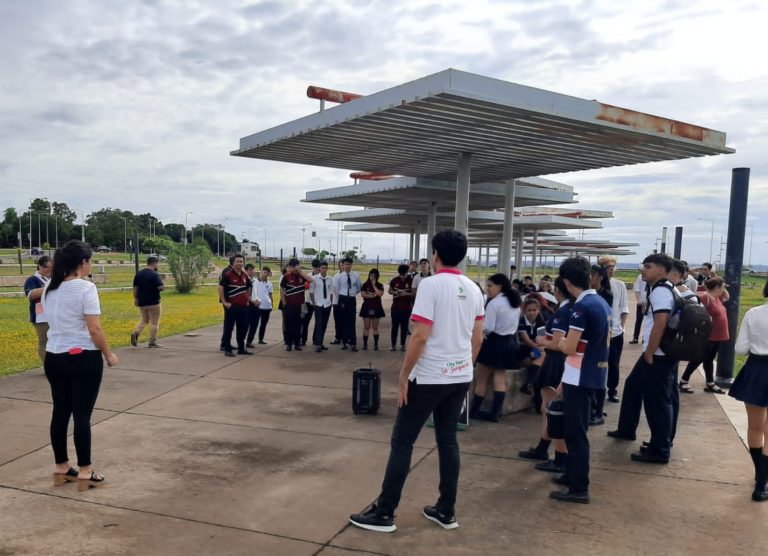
column 49, row 224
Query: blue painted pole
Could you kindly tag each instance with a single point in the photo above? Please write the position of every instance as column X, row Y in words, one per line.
column 678, row 242
column 734, row 255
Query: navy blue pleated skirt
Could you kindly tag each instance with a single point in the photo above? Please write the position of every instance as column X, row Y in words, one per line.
column 499, row 352
column 751, row 384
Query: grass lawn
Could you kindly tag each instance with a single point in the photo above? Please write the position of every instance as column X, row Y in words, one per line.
column 181, row 313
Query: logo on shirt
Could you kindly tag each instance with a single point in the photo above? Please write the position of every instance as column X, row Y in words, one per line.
column 461, row 295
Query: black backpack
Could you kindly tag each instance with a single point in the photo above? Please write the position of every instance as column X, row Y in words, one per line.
column 688, row 328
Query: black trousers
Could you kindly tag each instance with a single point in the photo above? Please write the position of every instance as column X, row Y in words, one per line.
column 400, row 318
column 347, row 312
column 322, row 314
column 577, row 403
column 337, row 323
column 75, row 382
column 257, row 320
column 638, row 321
column 292, row 320
column 615, row 348
column 708, row 362
column 444, row 402
column 305, row 322
column 657, row 396
column 675, row 393
column 235, row 316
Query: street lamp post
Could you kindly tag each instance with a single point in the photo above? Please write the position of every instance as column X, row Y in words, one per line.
column 711, row 235
column 186, row 225
column 125, row 234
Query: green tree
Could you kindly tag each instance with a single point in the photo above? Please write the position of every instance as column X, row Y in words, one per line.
column 189, row 265
column 309, row 251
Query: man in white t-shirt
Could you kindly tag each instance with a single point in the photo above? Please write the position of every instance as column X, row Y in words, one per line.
column 619, row 313
column 434, row 379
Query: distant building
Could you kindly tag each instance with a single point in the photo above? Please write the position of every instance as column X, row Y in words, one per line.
column 249, row 249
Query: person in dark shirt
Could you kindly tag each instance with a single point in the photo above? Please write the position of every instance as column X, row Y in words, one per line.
column 147, row 286
column 586, row 369
column 292, row 288
column 371, row 310
column 33, row 290
column 402, row 304
column 235, row 295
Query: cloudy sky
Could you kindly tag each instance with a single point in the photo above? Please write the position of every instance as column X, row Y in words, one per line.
column 137, row 104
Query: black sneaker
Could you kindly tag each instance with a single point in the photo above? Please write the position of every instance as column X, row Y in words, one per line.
column 445, row 521
column 324, row 348
column 370, row 519
column 533, row 453
column 134, row 338
column 229, row 353
column 262, row 342
column 550, row 466
column 288, row 348
column 297, row 347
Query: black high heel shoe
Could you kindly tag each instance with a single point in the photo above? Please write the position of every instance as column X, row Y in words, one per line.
column 62, row 478
column 91, row 482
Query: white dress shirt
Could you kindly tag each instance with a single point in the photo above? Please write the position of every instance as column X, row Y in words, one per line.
column 640, row 292
column 316, row 289
column 753, row 333
column 620, row 306
column 501, row 317
column 341, row 284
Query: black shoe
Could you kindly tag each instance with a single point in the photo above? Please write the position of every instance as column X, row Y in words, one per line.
column 550, row 466
column 595, row 421
column 620, row 435
column 134, row 338
column 297, row 347
column 370, row 519
column 319, row 349
column 649, row 457
column 533, row 453
column 613, row 398
column 633, row 341
column 229, row 353
column 568, row 496
column 760, row 494
column 244, row 352
column 560, row 480
column 262, row 342
column 288, row 348
column 324, row 348
column 250, row 345
column 225, row 348
column 393, row 348
column 335, row 342
column 345, row 346
column 354, row 349
column 446, row 521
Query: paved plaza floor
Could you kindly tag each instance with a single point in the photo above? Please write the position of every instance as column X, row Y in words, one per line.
column 262, row 455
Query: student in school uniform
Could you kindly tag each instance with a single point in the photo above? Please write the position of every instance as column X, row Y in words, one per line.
column 371, row 311
column 261, row 302
column 400, row 288
column 320, row 292
column 347, row 285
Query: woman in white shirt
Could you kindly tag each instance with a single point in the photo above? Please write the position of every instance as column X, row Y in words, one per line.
column 499, row 351
column 751, row 387
column 73, row 363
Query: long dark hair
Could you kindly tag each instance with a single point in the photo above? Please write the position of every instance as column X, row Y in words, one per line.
column 66, row 260
column 513, row 296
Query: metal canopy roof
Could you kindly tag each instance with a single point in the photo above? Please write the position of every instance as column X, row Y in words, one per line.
column 409, row 219
column 409, row 192
column 419, row 128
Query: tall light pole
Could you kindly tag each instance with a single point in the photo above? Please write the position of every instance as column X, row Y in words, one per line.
column 30, row 226
column 224, row 237
column 47, row 239
column 186, row 225
column 125, row 234
column 711, row 235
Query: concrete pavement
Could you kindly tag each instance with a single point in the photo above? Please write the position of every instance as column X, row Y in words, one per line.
column 262, row 455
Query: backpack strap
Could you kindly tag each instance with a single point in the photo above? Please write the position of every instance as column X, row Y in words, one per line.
column 675, row 295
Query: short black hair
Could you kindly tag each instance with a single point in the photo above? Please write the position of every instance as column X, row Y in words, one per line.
column 425, row 260
column 678, row 266
column 576, row 270
column 322, row 263
column 659, row 259
column 266, row 268
column 232, row 260
column 238, row 256
column 315, row 263
column 450, row 246
column 560, row 286
column 293, row 262
column 150, row 260
column 249, row 266
column 346, row 260
column 42, row 261
column 708, row 266
column 402, row 269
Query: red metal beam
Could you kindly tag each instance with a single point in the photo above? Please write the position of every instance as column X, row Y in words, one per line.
column 330, row 95
column 373, row 176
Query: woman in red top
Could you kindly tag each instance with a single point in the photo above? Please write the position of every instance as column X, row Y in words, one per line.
column 372, row 310
column 712, row 298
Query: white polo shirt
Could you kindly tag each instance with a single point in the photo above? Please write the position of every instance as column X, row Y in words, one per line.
column 451, row 303
column 262, row 291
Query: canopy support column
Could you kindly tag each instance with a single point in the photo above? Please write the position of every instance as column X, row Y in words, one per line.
column 533, row 254
column 410, row 247
column 417, row 243
column 519, row 252
column 461, row 222
column 431, row 225
column 505, row 251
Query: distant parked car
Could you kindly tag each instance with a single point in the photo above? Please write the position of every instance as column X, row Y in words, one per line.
column 161, row 258
column 37, row 251
column 103, row 249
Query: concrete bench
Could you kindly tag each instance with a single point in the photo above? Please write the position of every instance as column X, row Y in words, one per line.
column 515, row 400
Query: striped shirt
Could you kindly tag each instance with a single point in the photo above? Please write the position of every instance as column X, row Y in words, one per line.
column 293, row 286
column 236, row 287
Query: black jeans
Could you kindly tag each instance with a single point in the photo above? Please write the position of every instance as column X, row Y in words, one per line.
column 400, row 318
column 444, row 401
column 75, row 382
column 708, row 362
column 257, row 319
column 638, row 321
column 577, row 403
column 632, row 399
column 337, row 323
column 235, row 316
column 614, row 361
column 292, row 319
column 322, row 314
column 305, row 322
column 347, row 310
